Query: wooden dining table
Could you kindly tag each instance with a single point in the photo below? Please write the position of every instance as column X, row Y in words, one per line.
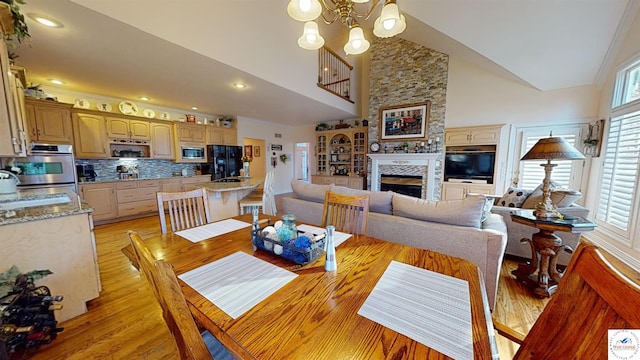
column 315, row 316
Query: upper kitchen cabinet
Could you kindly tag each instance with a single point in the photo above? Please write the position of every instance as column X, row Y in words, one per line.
column 162, row 141
column 128, row 129
column 90, row 136
column 221, row 136
column 188, row 132
column 12, row 117
column 48, row 121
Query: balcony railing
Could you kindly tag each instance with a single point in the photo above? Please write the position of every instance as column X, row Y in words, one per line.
column 334, row 73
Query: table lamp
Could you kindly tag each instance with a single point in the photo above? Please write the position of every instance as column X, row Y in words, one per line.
column 551, row 148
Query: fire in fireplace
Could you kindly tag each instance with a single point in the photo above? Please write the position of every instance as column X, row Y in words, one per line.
column 410, row 185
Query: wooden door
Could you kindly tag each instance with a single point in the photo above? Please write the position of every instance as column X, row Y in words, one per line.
column 53, row 124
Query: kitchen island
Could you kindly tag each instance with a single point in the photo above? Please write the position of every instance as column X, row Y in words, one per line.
column 224, row 195
column 45, row 229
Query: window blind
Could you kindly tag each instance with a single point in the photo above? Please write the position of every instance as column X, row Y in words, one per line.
column 532, row 173
column 620, row 171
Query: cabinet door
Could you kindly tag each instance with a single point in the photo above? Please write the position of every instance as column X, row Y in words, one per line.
column 485, row 136
column 102, row 198
column 162, row 141
column 53, row 124
column 183, row 132
column 456, row 137
column 453, row 191
column 139, row 129
column 172, row 185
column 198, row 134
column 230, row 137
column 12, row 126
column 214, row 135
column 117, row 128
column 356, row 183
column 90, row 136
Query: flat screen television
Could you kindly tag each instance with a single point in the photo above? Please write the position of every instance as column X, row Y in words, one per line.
column 469, row 165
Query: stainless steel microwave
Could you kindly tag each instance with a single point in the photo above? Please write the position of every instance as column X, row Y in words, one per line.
column 193, row 152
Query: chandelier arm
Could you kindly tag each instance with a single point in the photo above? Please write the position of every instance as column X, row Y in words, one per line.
column 327, row 9
column 368, row 13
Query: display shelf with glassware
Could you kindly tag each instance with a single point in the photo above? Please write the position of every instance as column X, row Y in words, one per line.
column 341, row 153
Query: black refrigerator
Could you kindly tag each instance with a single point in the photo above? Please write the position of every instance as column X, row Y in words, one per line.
column 225, row 161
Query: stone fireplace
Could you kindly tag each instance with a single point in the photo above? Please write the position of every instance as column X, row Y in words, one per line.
column 405, row 170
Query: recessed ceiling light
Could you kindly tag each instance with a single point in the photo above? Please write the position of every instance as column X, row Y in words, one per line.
column 46, row 21
column 240, row 85
column 194, row 108
column 144, row 98
column 56, row 81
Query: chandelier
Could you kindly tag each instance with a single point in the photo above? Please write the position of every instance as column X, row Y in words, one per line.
column 390, row 22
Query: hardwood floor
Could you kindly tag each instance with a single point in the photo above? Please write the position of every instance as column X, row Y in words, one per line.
column 126, row 323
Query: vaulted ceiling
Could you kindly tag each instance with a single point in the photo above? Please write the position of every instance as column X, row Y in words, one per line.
column 184, row 53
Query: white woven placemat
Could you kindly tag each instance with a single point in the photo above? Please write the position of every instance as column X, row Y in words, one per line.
column 429, row 307
column 218, row 228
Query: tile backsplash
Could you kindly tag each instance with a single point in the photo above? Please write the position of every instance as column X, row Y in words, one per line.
column 106, row 168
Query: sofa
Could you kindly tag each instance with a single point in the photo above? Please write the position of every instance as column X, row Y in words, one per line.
column 516, row 199
column 460, row 228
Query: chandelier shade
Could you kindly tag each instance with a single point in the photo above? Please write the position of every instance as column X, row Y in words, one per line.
column 390, row 23
column 304, row 10
column 357, row 44
column 311, row 39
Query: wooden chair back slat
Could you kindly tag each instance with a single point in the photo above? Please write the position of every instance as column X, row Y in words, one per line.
column 186, row 209
column 597, row 293
column 347, row 213
column 176, row 313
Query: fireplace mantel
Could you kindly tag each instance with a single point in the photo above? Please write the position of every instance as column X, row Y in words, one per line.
column 405, row 159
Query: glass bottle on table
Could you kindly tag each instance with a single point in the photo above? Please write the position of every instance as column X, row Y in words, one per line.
column 330, row 260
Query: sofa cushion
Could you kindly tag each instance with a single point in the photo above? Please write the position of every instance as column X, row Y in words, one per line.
column 486, row 210
column 514, row 197
column 309, row 192
column 564, row 198
column 379, row 201
column 463, row 212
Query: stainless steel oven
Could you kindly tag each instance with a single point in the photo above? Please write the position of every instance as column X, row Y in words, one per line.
column 49, row 165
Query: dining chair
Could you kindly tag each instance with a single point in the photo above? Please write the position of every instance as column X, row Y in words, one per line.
column 186, row 209
column 347, row 213
column 191, row 343
column 597, row 293
column 264, row 198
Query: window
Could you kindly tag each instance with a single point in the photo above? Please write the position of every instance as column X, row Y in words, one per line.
column 567, row 173
column 617, row 204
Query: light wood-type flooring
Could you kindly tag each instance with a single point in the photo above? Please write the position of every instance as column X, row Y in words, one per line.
column 126, row 323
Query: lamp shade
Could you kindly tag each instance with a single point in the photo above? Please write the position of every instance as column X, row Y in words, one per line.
column 390, row 22
column 304, row 10
column 310, row 39
column 553, row 148
column 357, row 44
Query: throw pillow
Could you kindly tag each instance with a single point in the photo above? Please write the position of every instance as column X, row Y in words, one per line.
column 536, row 196
column 309, row 192
column 486, row 210
column 379, row 201
column 564, row 198
column 463, row 212
column 514, row 197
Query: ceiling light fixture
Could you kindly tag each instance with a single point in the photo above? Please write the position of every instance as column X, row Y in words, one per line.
column 56, row 81
column 46, row 21
column 239, row 85
column 390, row 22
column 144, row 98
column 194, row 108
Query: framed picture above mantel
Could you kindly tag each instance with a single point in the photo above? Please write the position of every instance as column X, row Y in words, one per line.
column 401, row 122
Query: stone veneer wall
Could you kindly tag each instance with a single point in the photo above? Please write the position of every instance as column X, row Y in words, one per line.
column 402, row 72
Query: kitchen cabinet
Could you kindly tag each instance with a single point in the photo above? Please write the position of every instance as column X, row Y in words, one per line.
column 475, row 135
column 170, row 185
column 186, row 132
column 137, row 197
column 102, row 197
column 454, row 190
column 12, row 118
column 48, row 121
column 221, row 136
column 128, row 129
column 89, row 136
column 162, row 146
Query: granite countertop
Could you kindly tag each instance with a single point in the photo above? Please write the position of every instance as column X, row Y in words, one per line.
column 116, row 179
column 74, row 206
column 243, row 184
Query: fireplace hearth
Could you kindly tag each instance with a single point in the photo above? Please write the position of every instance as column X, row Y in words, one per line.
column 410, row 185
column 408, row 170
